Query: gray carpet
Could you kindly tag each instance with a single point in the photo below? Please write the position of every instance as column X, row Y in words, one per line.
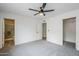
column 43, row 48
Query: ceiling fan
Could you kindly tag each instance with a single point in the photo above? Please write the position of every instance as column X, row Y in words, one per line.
column 41, row 11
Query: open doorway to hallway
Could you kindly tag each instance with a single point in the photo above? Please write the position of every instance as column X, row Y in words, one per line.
column 9, row 33
column 44, row 31
column 69, row 32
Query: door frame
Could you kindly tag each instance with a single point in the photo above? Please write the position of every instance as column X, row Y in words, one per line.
column 46, row 30
column 3, row 31
column 63, row 28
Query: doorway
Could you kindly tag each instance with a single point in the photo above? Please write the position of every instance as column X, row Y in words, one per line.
column 9, row 33
column 69, row 32
column 44, row 31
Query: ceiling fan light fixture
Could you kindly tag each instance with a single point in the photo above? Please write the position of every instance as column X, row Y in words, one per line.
column 40, row 14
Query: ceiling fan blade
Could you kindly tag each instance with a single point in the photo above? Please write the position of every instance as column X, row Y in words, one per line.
column 43, row 6
column 43, row 13
column 48, row 10
column 33, row 10
column 36, row 14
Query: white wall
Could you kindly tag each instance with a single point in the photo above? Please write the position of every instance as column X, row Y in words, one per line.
column 55, row 27
column 25, row 28
column 69, row 30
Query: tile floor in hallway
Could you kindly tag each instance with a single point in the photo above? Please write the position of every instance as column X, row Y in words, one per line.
column 41, row 48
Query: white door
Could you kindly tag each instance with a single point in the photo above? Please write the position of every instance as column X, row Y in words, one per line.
column 38, row 31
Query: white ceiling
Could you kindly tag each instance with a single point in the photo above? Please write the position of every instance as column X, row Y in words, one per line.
column 22, row 8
